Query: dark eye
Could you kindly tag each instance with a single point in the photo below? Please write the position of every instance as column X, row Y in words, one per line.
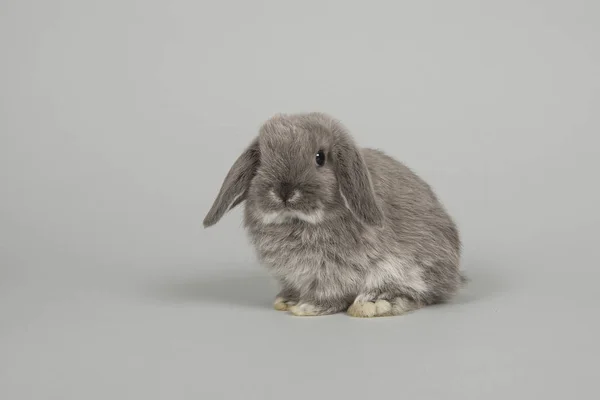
column 320, row 158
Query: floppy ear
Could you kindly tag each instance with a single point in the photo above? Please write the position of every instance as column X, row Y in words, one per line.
column 235, row 186
column 355, row 182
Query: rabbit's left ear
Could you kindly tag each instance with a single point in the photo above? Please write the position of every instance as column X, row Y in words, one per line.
column 355, row 182
column 235, row 186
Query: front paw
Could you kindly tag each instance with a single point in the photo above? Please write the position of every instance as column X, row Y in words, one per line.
column 282, row 304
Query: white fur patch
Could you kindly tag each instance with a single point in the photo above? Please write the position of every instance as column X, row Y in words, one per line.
column 396, row 270
column 284, row 216
column 313, row 218
column 273, row 218
column 274, row 197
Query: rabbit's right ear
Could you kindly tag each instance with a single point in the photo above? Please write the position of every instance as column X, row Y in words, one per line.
column 235, row 186
column 355, row 182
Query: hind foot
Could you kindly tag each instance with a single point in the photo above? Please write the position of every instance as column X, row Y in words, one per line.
column 381, row 308
column 368, row 309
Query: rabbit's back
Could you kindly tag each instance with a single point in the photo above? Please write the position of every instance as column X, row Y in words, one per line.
column 410, row 205
column 418, row 226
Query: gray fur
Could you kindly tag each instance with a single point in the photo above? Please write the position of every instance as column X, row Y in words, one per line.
column 362, row 228
column 235, row 186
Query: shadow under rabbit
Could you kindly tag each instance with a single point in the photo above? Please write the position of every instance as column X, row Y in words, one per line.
column 257, row 289
column 239, row 288
column 483, row 283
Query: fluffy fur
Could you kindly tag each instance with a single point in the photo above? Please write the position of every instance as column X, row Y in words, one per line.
column 361, row 233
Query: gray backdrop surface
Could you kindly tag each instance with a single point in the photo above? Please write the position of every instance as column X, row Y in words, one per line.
column 119, row 120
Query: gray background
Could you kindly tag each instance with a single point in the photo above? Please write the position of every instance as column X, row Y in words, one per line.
column 119, row 120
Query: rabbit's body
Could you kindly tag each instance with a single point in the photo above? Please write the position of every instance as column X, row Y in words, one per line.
column 333, row 249
column 414, row 256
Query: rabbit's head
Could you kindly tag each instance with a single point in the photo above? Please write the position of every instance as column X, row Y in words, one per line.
column 299, row 167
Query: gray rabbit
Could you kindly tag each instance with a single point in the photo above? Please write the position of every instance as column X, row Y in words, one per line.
column 339, row 227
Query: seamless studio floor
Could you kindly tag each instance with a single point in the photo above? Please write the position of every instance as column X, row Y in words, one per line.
column 179, row 332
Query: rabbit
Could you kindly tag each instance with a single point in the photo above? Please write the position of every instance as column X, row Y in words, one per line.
column 339, row 227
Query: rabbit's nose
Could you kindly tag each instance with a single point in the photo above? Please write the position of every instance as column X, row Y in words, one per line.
column 285, row 191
